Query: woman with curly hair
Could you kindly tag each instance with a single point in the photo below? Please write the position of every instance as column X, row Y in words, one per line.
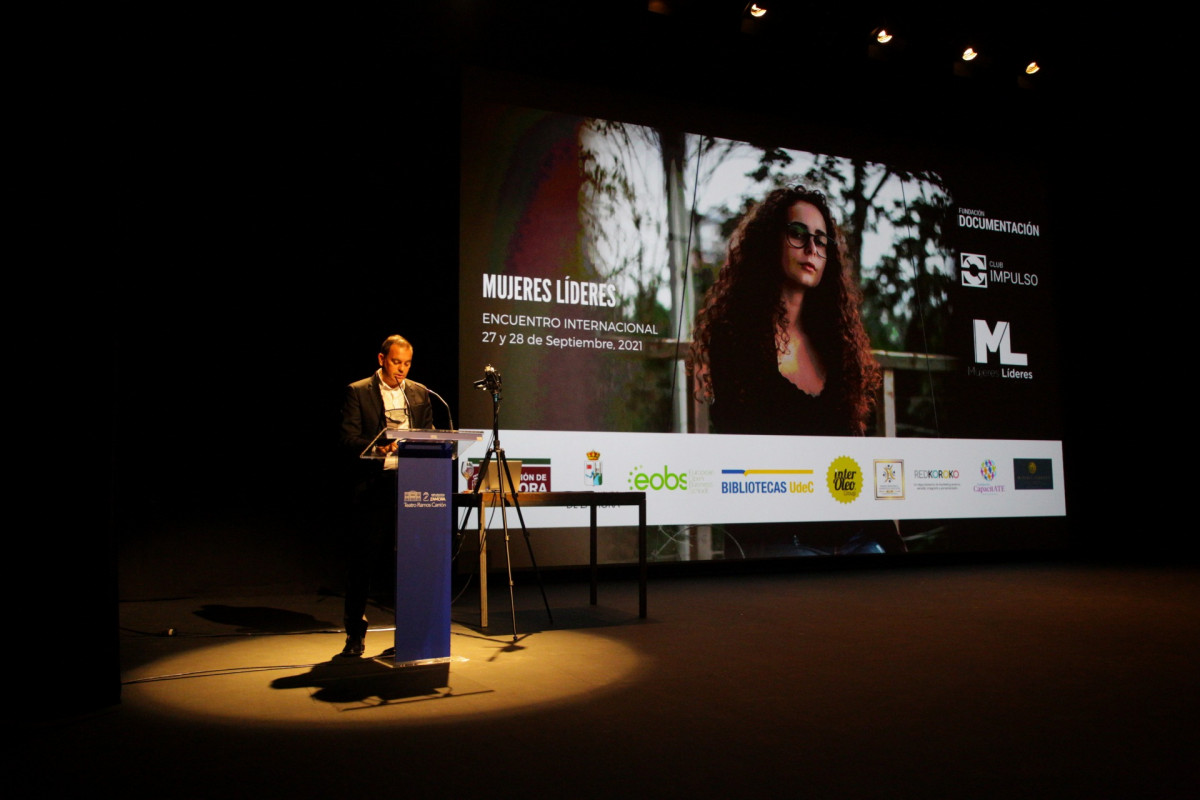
column 779, row 345
column 780, row 348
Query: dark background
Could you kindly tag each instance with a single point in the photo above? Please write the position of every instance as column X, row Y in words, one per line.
column 279, row 193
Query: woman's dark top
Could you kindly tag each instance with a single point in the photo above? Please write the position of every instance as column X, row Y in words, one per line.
column 750, row 396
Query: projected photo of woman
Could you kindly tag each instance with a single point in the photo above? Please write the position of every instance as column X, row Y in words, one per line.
column 779, row 344
column 780, row 348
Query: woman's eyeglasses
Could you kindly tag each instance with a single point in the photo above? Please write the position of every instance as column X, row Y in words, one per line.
column 798, row 236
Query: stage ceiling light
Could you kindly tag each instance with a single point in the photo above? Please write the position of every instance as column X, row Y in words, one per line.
column 1031, row 68
column 752, row 18
column 969, row 54
column 885, row 43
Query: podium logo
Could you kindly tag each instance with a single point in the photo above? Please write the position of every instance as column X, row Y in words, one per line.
column 415, row 498
column 974, row 270
column 996, row 340
column 658, row 480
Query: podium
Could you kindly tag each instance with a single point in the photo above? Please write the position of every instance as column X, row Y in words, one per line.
column 424, row 522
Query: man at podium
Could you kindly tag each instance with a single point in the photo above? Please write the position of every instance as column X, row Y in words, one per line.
column 384, row 399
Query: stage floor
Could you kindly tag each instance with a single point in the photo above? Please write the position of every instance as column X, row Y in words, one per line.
column 1028, row 680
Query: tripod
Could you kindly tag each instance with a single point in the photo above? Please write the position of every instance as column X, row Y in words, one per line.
column 507, row 489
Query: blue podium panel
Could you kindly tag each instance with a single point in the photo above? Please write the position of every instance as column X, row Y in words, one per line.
column 424, row 520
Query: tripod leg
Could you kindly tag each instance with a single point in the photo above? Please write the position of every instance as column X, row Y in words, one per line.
column 462, row 528
column 529, row 545
column 482, row 553
column 505, row 487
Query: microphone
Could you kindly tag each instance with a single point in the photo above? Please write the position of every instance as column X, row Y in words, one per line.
column 491, row 380
column 447, row 405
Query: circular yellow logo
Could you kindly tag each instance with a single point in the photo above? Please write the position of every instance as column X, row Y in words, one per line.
column 844, row 479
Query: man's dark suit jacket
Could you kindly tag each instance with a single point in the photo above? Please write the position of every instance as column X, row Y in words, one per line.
column 362, row 415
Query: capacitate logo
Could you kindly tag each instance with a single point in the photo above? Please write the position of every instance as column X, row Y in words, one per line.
column 658, row 480
column 989, row 472
column 844, row 479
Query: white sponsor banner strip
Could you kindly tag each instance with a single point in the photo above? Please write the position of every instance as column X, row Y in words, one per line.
column 708, row 479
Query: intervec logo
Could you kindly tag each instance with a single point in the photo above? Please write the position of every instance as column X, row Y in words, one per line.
column 844, row 479
column 657, row 481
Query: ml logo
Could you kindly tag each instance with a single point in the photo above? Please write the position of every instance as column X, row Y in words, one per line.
column 998, row 339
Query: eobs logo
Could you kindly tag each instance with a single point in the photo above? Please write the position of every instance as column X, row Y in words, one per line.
column 657, row 481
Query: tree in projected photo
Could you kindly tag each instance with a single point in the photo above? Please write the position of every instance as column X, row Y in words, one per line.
column 657, row 208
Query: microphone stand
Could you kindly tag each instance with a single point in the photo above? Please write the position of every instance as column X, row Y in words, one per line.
column 506, row 488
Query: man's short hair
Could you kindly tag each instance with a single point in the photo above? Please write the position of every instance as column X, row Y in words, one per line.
column 392, row 341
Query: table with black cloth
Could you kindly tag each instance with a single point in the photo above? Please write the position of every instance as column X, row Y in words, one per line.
column 590, row 500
